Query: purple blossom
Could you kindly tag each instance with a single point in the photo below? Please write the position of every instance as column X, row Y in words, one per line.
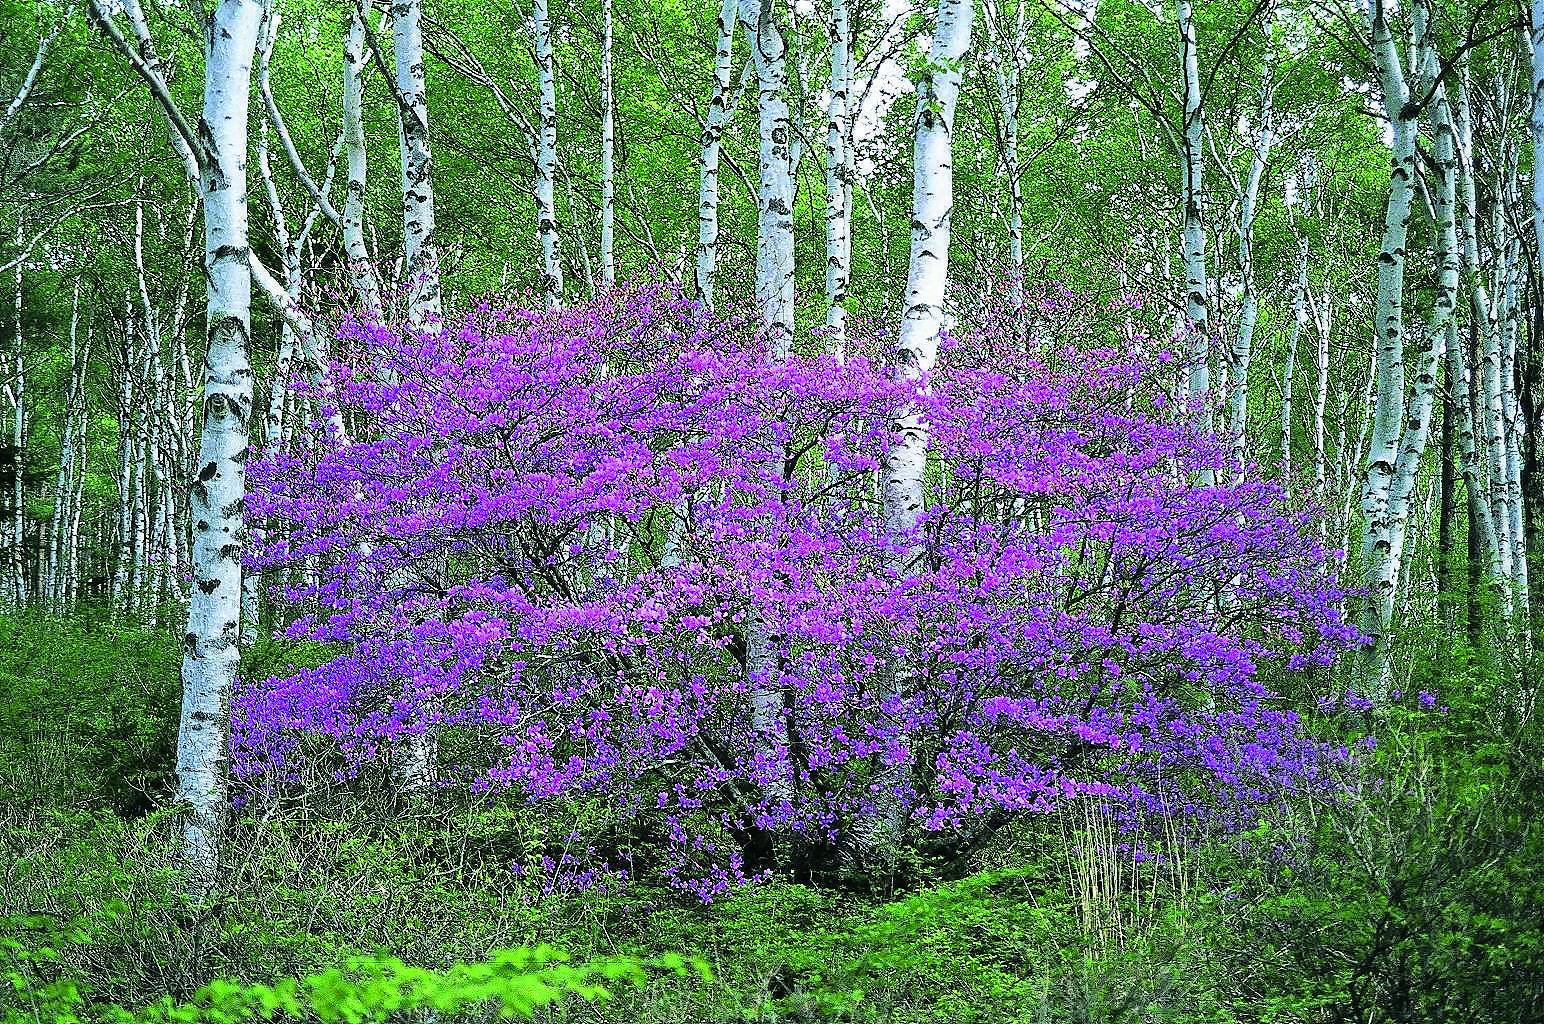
column 550, row 530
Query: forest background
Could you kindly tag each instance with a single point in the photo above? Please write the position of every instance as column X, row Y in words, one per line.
column 1081, row 275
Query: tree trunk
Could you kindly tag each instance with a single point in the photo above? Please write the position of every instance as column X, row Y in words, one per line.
column 1393, row 458
column 774, row 220
column 1193, row 198
column 1243, row 342
column 547, row 162
column 17, row 582
column 774, row 299
column 720, row 110
column 361, row 269
column 1446, row 511
column 839, row 182
column 420, row 243
column 211, row 652
column 916, row 353
column 608, row 212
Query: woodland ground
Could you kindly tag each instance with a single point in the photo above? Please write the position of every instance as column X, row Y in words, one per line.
column 1417, row 897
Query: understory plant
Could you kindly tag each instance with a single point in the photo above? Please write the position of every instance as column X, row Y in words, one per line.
column 616, row 550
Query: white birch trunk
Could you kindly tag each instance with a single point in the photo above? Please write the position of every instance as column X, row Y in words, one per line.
column 1400, row 432
column 720, row 110
column 1008, row 74
column 1389, row 343
column 547, row 161
column 1512, row 416
column 121, row 564
column 1299, row 321
column 29, row 80
column 210, row 649
column 1487, row 436
column 361, row 268
column 420, row 243
column 1193, row 198
column 774, row 222
column 1322, row 319
column 16, row 565
column 915, row 355
column 774, row 299
column 64, row 484
column 1240, row 354
column 839, row 182
column 608, row 184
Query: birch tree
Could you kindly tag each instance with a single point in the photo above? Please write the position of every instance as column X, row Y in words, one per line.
column 16, row 389
column 547, row 160
column 420, row 243
column 720, row 111
column 774, row 301
column 915, row 354
column 774, row 204
column 216, row 150
column 1193, row 207
column 608, row 168
column 840, row 174
column 1400, row 429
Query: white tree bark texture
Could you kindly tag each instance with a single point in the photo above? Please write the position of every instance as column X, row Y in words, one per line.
column 915, row 354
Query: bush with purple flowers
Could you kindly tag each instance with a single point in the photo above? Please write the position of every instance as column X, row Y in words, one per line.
column 553, row 532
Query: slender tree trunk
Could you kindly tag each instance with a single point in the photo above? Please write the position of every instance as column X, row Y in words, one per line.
column 1193, row 189
column 1240, row 354
column 1299, row 321
column 1482, row 438
column 125, row 551
column 916, row 353
column 420, row 242
column 1008, row 72
column 58, row 524
column 17, row 583
column 1322, row 325
column 210, row 651
column 720, row 110
column 1393, row 459
column 608, row 211
column 547, row 161
column 774, row 299
column 361, row 269
column 1446, row 511
column 839, row 178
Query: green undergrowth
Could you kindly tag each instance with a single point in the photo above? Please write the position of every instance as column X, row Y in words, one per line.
column 1418, row 896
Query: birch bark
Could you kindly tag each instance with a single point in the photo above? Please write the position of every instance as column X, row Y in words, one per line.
column 1491, row 428
column 1240, row 354
column 720, row 110
column 17, row 388
column 1400, row 431
column 1299, row 321
column 916, row 353
column 216, row 155
column 774, row 299
column 608, row 184
column 1193, row 197
column 361, row 269
column 547, row 161
column 421, row 264
column 1007, row 71
column 774, row 222
column 839, row 182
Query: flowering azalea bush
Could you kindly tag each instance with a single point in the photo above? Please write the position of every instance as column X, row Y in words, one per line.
column 553, row 533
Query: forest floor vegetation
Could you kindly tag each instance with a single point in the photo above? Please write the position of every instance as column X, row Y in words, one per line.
column 1418, row 896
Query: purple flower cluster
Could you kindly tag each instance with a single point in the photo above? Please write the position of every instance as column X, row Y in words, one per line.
column 552, row 531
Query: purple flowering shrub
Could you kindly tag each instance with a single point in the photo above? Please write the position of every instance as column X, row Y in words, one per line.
column 552, row 530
